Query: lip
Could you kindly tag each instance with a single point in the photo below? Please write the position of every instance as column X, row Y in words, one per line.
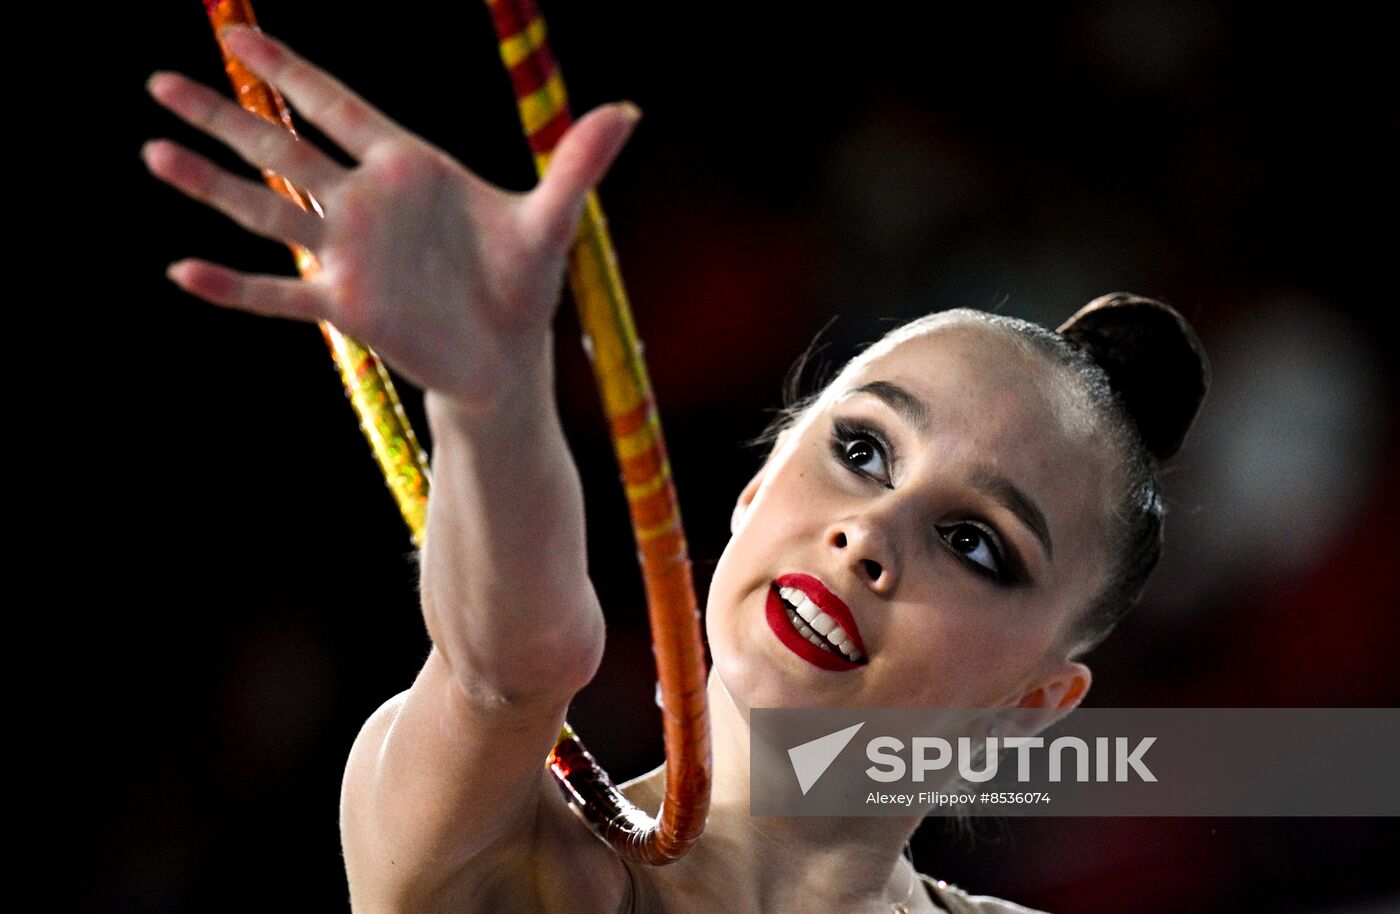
column 828, row 603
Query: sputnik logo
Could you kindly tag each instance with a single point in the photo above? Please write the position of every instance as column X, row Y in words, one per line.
column 811, row 759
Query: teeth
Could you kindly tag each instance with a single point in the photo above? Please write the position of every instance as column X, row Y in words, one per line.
column 816, row 626
column 807, row 633
column 798, row 601
column 805, row 607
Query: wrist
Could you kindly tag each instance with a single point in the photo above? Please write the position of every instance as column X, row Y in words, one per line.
column 524, row 389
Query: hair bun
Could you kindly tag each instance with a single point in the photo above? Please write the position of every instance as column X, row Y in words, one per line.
column 1154, row 362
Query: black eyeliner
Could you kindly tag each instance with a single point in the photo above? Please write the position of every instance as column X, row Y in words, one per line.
column 1015, row 574
column 1011, row 572
column 844, row 431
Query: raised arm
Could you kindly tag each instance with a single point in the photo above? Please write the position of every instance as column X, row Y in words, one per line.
column 455, row 283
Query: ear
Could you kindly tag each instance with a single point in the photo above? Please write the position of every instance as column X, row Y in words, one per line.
column 1048, row 699
column 1064, row 690
column 746, row 498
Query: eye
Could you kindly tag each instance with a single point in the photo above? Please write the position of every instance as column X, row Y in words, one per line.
column 978, row 545
column 862, row 450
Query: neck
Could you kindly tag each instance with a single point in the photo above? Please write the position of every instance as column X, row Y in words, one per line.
column 777, row 863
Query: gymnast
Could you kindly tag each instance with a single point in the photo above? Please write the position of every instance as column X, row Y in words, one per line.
column 980, row 496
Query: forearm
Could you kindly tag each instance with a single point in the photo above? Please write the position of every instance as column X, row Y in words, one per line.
column 505, row 587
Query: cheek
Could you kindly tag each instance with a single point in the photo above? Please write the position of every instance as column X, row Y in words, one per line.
column 973, row 660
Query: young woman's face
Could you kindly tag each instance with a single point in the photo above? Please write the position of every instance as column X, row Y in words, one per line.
column 946, row 510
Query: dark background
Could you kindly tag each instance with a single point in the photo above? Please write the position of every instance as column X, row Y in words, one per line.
column 245, row 588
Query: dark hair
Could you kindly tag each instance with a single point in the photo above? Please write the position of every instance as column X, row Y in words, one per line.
column 1142, row 366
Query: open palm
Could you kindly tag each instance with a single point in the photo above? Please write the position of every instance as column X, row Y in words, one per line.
column 441, row 272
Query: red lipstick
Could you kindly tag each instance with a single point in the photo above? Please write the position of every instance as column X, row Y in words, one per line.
column 827, row 602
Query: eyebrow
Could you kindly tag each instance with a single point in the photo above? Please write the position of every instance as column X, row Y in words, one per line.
column 998, row 487
column 911, row 408
column 985, row 479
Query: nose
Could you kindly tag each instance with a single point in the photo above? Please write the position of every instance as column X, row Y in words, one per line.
column 861, row 544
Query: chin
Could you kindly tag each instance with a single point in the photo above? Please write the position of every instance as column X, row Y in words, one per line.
column 748, row 661
column 755, row 679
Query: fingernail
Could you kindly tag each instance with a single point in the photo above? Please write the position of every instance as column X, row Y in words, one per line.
column 151, row 80
column 630, row 108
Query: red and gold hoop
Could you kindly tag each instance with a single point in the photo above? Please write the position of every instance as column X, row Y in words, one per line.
column 630, row 407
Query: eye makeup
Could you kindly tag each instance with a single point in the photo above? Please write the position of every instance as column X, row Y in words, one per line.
column 848, row 431
column 845, row 432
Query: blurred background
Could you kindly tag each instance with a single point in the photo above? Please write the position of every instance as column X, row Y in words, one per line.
column 247, row 584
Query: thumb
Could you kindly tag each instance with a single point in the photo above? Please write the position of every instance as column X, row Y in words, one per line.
column 583, row 156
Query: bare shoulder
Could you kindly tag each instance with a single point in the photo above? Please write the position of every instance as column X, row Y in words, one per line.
column 546, row 860
column 561, row 868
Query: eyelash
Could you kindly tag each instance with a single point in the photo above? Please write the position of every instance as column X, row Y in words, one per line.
column 845, row 433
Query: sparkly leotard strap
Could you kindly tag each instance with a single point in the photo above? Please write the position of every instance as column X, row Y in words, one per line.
column 954, row 900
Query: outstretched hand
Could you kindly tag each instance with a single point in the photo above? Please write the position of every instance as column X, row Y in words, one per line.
column 441, row 272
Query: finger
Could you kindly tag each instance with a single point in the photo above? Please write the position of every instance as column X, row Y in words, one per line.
column 254, row 206
column 260, row 142
column 583, row 156
column 274, row 296
column 322, row 99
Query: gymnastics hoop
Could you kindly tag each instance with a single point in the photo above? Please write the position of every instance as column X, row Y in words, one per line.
column 610, row 339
